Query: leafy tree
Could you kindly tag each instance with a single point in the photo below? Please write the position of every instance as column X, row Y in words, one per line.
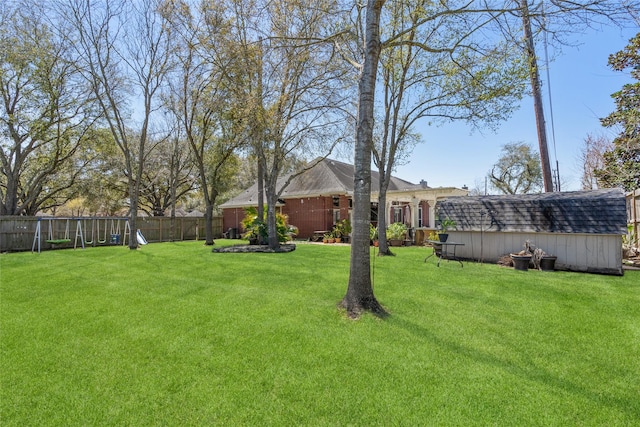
column 168, row 175
column 302, row 94
column 206, row 99
column 621, row 166
column 103, row 184
column 479, row 16
column 517, row 171
column 479, row 87
column 44, row 116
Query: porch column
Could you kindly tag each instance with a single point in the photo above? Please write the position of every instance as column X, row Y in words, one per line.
column 388, row 212
column 414, row 212
column 432, row 213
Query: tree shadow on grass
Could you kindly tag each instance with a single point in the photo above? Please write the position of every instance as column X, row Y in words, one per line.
column 530, row 371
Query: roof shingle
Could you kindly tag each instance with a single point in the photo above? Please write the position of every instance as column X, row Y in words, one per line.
column 328, row 177
column 590, row 212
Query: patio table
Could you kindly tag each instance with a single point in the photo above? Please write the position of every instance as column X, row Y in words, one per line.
column 445, row 251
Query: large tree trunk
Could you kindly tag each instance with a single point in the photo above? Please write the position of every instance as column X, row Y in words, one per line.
column 208, row 216
column 133, row 213
column 208, row 224
column 359, row 295
column 260, row 191
column 272, row 199
column 10, row 203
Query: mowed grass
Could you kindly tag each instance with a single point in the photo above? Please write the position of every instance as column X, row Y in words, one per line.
column 173, row 334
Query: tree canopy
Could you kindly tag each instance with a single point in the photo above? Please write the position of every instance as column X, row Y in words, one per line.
column 621, row 166
column 517, row 171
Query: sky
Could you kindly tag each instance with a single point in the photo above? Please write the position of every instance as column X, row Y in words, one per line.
column 453, row 155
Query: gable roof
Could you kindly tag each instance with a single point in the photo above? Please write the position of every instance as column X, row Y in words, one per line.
column 328, row 177
column 590, row 212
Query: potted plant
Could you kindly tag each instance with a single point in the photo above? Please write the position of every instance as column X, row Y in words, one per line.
column 373, row 235
column 543, row 261
column 445, row 225
column 396, row 233
column 342, row 229
column 522, row 259
column 548, row 263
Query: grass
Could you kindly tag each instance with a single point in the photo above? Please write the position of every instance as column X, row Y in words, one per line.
column 173, row 334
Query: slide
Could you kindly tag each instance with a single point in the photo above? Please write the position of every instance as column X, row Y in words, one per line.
column 141, row 239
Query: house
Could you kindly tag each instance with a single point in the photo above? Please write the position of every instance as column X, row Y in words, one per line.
column 583, row 229
column 316, row 199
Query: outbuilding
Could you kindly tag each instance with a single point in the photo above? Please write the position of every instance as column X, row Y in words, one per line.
column 583, row 229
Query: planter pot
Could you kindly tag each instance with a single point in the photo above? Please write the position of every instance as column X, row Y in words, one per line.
column 375, row 243
column 443, row 237
column 521, row 262
column 548, row 263
column 395, row 242
column 338, row 239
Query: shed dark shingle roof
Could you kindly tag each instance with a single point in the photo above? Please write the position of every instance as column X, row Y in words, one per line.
column 590, row 212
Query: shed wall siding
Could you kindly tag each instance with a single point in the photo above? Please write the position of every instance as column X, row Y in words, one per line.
column 597, row 253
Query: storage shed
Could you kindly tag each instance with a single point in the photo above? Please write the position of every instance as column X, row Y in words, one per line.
column 583, row 229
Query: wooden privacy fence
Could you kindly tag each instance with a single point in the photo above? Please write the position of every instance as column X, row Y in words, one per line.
column 17, row 232
column 633, row 216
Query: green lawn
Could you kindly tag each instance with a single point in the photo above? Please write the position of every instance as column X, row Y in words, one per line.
column 175, row 335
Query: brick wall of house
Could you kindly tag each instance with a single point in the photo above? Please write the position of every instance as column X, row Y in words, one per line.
column 232, row 218
column 309, row 214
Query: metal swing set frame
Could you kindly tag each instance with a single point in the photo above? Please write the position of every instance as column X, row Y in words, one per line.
column 80, row 234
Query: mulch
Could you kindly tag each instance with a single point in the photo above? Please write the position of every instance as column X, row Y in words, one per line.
column 239, row 249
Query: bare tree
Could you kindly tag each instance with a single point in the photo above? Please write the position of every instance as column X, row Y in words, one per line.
column 481, row 86
column 126, row 55
column 295, row 98
column 207, row 98
column 477, row 17
column 592, row 159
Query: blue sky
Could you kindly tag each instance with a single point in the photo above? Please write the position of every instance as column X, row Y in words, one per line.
column 581, row 88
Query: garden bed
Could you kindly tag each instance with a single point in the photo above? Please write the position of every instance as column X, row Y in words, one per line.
column 254, row 248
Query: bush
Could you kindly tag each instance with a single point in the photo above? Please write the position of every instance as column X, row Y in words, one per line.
column 256, row 229
column 396, row 231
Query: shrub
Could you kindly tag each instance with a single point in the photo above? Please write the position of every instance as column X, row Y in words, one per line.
column 396, row 231
column 256, row 229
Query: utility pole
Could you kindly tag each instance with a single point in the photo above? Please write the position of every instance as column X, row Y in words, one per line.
column 534, row 75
